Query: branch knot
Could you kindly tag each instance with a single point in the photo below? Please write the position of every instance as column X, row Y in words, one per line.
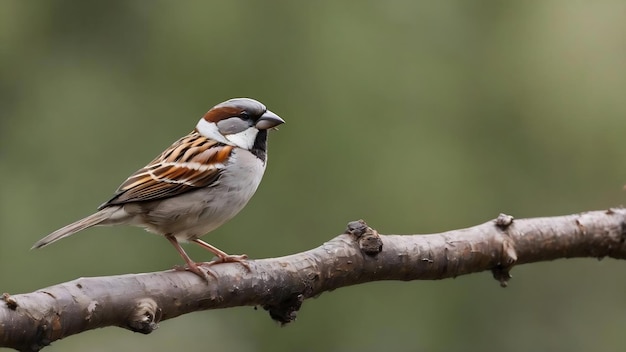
column 508, row 255
column 369, row 240
column 145, row 316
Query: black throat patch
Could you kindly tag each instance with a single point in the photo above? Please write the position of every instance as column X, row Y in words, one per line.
column 259, row 148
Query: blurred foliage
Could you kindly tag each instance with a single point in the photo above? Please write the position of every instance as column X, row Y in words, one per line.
column 418, row 116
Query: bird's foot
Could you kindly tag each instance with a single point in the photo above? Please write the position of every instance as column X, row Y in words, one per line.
column 196, row 270
column 241, row 259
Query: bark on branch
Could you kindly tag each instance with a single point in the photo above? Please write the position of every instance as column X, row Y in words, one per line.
column 29, row 322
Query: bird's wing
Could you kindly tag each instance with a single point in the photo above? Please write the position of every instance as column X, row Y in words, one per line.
column 190, row 163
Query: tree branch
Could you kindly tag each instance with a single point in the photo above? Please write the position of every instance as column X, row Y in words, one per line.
column 30, row 321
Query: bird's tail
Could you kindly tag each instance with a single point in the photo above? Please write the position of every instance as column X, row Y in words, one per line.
column 89, row 221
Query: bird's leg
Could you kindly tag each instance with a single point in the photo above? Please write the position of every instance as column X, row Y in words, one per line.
column 222, row 257
column 191, row 265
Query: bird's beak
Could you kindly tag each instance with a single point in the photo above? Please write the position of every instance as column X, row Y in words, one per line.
column 269, row 120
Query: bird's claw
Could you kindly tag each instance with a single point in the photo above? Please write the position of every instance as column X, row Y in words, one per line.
column 196, row 270
column 241, row 259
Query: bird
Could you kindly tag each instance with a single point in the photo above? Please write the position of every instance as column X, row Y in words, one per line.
column 196, row 185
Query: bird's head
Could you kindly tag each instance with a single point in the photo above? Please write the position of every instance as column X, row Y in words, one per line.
column 238, row 122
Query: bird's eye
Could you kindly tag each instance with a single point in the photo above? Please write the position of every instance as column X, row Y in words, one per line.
column 244, row 115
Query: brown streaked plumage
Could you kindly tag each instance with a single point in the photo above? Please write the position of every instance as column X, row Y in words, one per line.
column 191, row 162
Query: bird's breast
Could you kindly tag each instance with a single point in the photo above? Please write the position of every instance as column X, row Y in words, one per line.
column 198, row 212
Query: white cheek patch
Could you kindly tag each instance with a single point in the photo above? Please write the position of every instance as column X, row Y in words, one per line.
column 209, row 130
column 244, row 139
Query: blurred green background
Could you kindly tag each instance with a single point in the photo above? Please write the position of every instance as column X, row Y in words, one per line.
column 417, row 116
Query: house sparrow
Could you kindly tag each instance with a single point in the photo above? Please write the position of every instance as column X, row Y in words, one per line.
column 197, row 184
